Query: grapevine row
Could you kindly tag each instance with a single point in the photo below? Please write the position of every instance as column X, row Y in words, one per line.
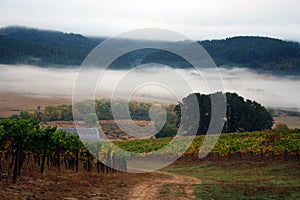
column 23, row 142
column 254, row 143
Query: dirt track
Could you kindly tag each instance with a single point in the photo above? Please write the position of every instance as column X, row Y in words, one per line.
column 153, row 188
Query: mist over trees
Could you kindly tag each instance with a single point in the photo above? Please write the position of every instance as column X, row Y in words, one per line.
column 21, row 45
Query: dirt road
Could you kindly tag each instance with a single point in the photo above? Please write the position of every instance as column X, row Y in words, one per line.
column 164, row 186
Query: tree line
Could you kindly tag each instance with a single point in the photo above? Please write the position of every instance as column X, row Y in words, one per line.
column 138, row 111
column 241, row 115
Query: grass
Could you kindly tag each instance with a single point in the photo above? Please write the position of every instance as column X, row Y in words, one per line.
column 167, row 189
column 242, row 180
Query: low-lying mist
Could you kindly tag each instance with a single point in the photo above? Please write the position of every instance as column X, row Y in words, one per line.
column 271, row 91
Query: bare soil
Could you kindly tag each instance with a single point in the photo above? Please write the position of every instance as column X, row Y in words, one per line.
column 153, row 188
column 70, row 185
column 110, row 128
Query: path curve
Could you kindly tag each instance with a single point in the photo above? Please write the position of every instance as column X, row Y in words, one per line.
column 150, row 188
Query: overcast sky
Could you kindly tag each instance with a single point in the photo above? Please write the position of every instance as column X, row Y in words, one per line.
column 197, row 19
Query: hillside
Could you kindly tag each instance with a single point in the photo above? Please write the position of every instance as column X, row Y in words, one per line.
column 21, row 45
column 256, row 52
column 41, row 47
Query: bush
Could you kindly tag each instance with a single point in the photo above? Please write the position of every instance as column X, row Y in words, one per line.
column 280, row 127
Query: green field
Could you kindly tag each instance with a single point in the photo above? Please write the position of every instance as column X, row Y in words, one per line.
column 240, row 179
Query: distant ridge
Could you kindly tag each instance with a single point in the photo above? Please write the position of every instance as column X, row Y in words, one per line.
column 23, row 45
column 263, row 53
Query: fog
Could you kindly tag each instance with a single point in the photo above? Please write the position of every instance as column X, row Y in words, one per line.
column 271, row 91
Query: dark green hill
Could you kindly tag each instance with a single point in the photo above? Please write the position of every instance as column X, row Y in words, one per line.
column 40, row 47
column 256, row 52
column 21, row 45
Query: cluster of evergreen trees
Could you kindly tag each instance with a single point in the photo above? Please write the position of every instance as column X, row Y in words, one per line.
column 241, row 115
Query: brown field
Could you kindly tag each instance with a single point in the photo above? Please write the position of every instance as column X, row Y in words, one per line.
column 291, row 121
column 13, row 103
column 110, row 128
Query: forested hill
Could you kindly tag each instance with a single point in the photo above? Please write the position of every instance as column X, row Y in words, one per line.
column 20, row 45
column 42, row 47
column 256, row 52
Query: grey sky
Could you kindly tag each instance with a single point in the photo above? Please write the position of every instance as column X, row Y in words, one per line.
column 196, row 19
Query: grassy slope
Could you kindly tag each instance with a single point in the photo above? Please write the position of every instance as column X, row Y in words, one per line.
column 242, row 180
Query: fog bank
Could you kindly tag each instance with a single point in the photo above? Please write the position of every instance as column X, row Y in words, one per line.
column 266, row 89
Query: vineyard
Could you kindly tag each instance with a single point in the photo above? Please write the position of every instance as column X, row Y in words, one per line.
column 249, row 145
column 25, row 145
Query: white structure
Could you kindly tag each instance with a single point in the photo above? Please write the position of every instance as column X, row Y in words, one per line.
column 85, row 134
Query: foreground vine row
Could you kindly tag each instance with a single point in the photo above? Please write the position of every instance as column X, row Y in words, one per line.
column 23, row 142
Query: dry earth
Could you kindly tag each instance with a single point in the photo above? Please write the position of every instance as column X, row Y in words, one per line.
column 153, row 188
column 110, row 128
column 69, row 185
